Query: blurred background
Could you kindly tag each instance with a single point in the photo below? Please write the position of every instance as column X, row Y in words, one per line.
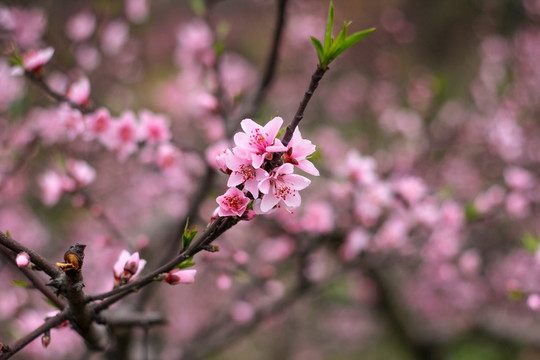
column 419, row 239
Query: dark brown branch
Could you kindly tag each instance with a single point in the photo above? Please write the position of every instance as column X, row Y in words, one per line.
column 40, row 262
column 315, row 79
column 81, row 316
column 34, row 279
column 22, row 342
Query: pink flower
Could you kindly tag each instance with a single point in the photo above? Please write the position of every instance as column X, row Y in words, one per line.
column 127, row 267
column 136, row 10
column 97, row 124
column 124, row 135
column 81, row 26
column 167, row 156
column 79, row 91
column 244, row 173
column 34, row 60
column 181, row 276
column 281, row 188
column 361, row 169
column 22, row 259
column 232, row 203
column 83, row 173
column 318, row 218
column 216, row 156
column 71, row 121
column 114, row 37
column 53, row 186
column 410, row 188
column 259, row 142
column 356, row 241
column 154, row 127
column 242, row 312
column 518, row 178
column 298, row 150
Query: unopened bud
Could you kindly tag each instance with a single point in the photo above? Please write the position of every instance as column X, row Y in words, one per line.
column 46, row 339
column 22, row 260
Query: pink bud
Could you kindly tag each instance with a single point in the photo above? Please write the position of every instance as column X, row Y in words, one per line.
column 181, row 276
column 79, row 91
column 22, row 260
column 46, row 339
column 132, row 264
column 533, row 302
column 34, row 60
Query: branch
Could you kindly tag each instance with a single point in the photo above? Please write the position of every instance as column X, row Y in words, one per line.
column 218, row 227
column 9, row 351
column 38, row 80
column 37, row 259
column 315, row 79
column 269, row 69
column 35, row 280
column 80, row 315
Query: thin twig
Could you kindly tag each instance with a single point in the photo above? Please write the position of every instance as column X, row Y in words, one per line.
column 22, row 342
column 38, row 80
column 269, row 68
column 35, row 280
column 37, row 259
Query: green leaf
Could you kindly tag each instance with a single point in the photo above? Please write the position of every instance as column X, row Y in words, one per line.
column 280, row 132
column 318, row 48
column 357, row 36
column 471, row 213
column 198, row 7
column 515, row 295
column 8, row 234
column 188, row 235
column 530, row 242
column 19, row 283
column 50, row 302
column 186, row 263
column 329, row 26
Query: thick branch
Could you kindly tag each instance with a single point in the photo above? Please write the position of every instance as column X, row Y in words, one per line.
column 22, row 342
column 40, row 262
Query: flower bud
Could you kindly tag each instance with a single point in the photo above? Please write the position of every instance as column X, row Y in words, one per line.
column 22, row 260
column 181, row 276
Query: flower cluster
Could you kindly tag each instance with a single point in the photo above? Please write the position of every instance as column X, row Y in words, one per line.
column 251, row 174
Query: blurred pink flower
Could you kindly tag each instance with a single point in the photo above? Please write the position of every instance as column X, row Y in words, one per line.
column 83, row 173
column 242, row 312
column 114, row 37
column 98, row 124
column 124, row 135
column 154, row 127
column 80, row 26
column 34, row 60
column 356, row 241
column 186, row 276
column 79, row 91
column 53, row 186
column 136, row 10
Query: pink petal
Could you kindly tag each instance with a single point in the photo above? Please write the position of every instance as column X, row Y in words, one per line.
column 297, row 182
column 235, row 179
column 272, row 128
column 249, row 125
column 268, row 202
column 308, row 167
column 293, row 200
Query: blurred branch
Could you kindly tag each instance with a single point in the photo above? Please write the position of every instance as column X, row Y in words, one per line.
column 132, row 319
column 9, row 351
column 38, row 80
column 269, row 68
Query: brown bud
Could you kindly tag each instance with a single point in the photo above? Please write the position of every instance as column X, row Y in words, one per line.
column 73, row 258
